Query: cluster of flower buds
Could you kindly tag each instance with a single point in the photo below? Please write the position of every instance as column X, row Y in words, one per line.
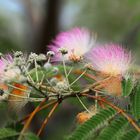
column 14, row 77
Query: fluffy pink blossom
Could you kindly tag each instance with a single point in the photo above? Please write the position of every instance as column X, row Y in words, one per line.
column 110, row 59
column 4, row 62
column 76, row 41
column 7, row 70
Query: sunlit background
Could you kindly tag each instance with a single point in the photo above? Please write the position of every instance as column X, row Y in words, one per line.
column 31, row 25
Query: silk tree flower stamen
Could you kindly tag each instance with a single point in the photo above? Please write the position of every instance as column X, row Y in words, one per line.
column 76, row 41
column 110, row 59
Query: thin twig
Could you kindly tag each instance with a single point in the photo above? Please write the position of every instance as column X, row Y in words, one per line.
column 41, row 108
column 83, row 104
column 29, row 76
column 78, row 78
column 65, row 71
column 101, row 81
column 36, row 88
column 69, row 72
column 18, row 88
column 132, row 122
column 30, row 119
column 47, row 118
column 86, row 74
column 41, row 81
column 66, row 75
column 36, row 72
column 50, row 84
column 29, row 98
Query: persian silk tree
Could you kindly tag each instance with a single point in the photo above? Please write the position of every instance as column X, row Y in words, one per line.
column 76, row 67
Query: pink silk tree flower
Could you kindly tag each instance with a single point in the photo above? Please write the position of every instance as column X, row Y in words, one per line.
column 4, row 62
column 76, row 42
column 7, row 69
column 111, row 61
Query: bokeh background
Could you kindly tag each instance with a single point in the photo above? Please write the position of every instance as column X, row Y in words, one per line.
column 30, row 25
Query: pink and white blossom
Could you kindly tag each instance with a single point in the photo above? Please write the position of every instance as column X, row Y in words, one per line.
column 4, row 62
column 110, row 59
column 7, row 69
column 76, row 41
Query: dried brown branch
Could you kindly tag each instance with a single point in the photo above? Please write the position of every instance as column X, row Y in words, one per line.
column 41, row 108
column 30, row 119
column 47, row 118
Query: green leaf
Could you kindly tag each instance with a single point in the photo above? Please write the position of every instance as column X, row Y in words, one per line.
column 92, row 124
column 113, row 130
column 7, row 132
column 31, row 136
column 127, row 86
column 130, row 135
column 135, row 100
column 42, row 72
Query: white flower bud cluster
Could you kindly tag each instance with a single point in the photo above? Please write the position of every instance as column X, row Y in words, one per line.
column 41, row 57
column 62, row 87
column 50, row 53
column 18, row 54
column 63, row 51
column 34, row 56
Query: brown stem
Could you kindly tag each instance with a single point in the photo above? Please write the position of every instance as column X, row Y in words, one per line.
column 86, row 74
column 30, row 119
column 41, row 108
column 132, row 122
column 102, row 81
column 47, row 118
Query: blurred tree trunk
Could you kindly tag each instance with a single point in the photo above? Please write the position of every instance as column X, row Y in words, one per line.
column 50, row 24
column 41, row 35
column 30, row 33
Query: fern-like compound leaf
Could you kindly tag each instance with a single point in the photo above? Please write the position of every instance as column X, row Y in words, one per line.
column 135, row 99
column 131, row 135
column 94, row 123
column 113, row 130
column 127, row 86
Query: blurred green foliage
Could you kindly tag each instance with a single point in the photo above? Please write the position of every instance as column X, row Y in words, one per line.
column 111, row 19
column 7, row 43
